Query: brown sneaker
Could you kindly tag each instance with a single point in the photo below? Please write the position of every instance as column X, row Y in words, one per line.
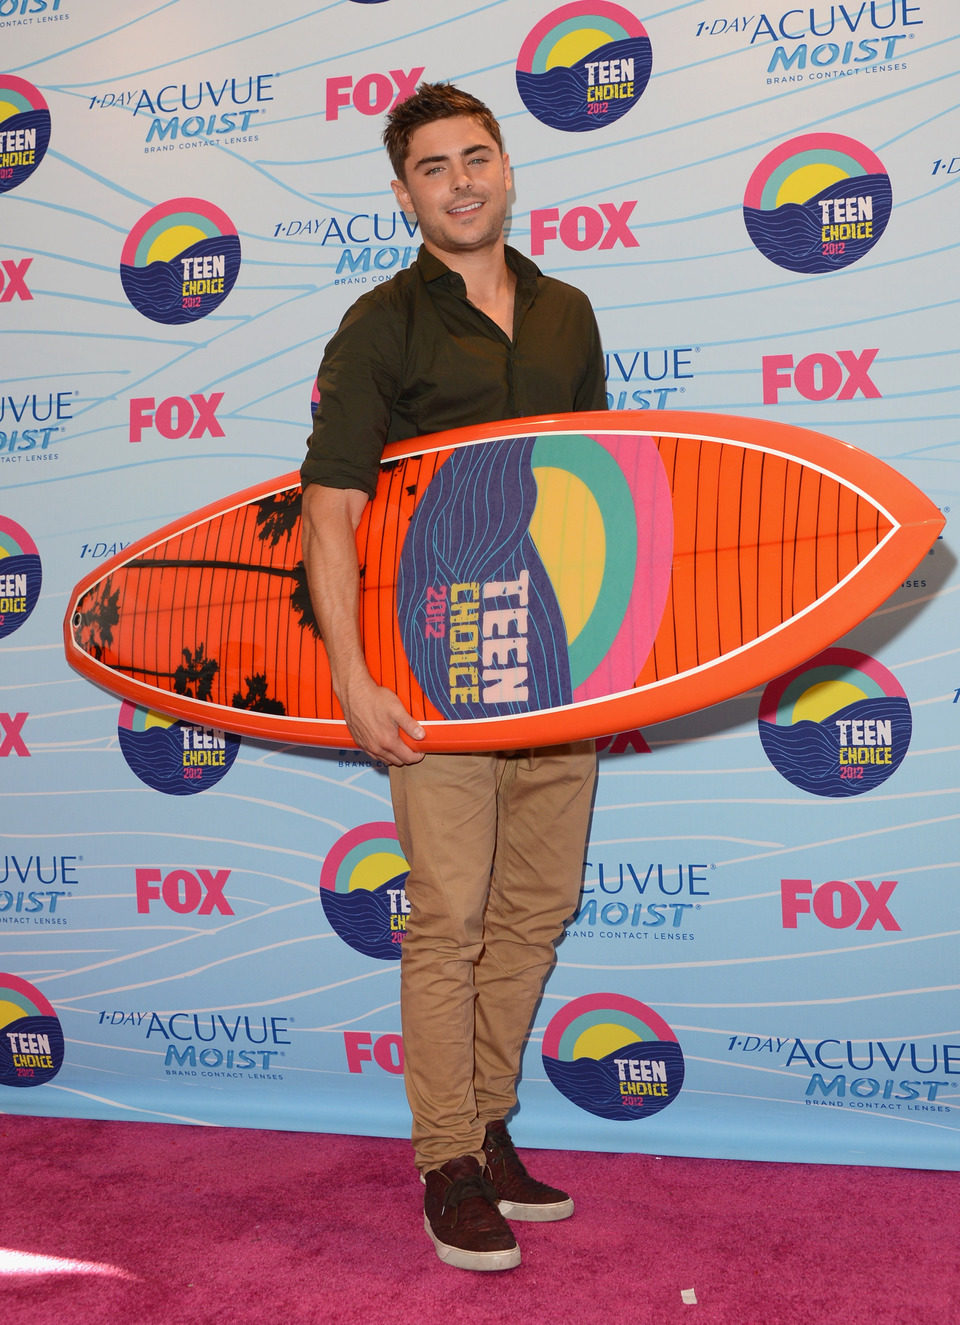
column 461, row 1216
column 519, row 1195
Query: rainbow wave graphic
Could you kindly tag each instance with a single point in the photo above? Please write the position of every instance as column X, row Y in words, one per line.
column 552, row 73
column 613, row 1057
column 153, row 745
column 24, row 130
column 585, row 523
column 837, row 726
column 24, row 1012
column 181, row 231
column 20, row 569
column 360, row 886
column 817, row 203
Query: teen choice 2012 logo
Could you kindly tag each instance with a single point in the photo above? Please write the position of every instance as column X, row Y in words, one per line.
column 361, row 890
column 837, row 726
column 534, row 573
column 584, row 65
column 20, row 576
column 175, row 757
column 24, row 131
column 613, row 1057
column 180, row 261
column 31, row 1038
column 817, row 203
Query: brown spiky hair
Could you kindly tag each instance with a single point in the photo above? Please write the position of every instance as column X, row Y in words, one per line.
column 430, row 102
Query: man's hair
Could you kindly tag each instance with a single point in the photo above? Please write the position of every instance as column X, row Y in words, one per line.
column 432, row 101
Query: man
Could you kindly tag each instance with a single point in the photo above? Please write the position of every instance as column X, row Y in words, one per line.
column 472, row 333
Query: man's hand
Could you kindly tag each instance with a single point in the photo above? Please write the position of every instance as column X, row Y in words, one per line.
column 374, row 714
column 376, row 719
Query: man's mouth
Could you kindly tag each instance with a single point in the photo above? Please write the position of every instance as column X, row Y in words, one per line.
column 464, row 208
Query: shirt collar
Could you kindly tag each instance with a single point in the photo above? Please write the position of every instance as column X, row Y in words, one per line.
column 433, row 269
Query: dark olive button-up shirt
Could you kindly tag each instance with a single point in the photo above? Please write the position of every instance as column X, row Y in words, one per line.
column 414, row 356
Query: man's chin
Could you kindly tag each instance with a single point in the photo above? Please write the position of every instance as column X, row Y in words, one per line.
column 460, row 242
column 487, row 231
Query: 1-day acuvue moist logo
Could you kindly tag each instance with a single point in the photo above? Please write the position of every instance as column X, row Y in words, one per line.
column 584, row 65
column 837, row 726
column 817, row 203
column 31, row 1038
column 24, row 131
column 180, row 261
column 613, row 1057
column 20, row 576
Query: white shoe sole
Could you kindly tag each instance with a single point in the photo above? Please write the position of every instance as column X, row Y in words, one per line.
column 539, row 1214
column 472, row 1260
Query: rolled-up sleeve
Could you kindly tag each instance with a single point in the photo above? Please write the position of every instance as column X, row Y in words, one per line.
column 358, row 384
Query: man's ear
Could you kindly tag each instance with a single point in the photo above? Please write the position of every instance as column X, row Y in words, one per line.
column 507, row 173
column 401, row 195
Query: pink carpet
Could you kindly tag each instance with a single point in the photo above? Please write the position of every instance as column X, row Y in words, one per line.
column 142, row 1224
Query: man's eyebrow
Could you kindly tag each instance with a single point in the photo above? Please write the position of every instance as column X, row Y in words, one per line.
column 466, row 151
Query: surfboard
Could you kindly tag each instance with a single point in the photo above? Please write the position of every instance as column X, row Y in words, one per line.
column 524, row 583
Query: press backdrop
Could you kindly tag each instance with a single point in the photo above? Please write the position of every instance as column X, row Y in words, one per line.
column 762, row 207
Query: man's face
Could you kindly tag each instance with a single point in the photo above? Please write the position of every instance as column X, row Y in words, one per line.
column 456, row 181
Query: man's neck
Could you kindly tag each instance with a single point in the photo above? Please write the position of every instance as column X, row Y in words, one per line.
column 484, row 271
column 489, row 281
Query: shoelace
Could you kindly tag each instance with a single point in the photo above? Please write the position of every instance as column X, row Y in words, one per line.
column 461, row 1189
column 504, row 1150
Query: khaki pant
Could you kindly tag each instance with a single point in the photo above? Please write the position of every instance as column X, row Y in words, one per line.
column 495, row 845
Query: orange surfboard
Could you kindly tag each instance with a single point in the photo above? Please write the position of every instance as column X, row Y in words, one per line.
column 523, row 583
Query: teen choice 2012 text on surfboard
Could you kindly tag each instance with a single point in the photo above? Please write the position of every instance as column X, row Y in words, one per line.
column 523, row 583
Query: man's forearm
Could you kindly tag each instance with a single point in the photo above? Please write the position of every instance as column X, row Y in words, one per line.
column 374, row 714
column 330, row 519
